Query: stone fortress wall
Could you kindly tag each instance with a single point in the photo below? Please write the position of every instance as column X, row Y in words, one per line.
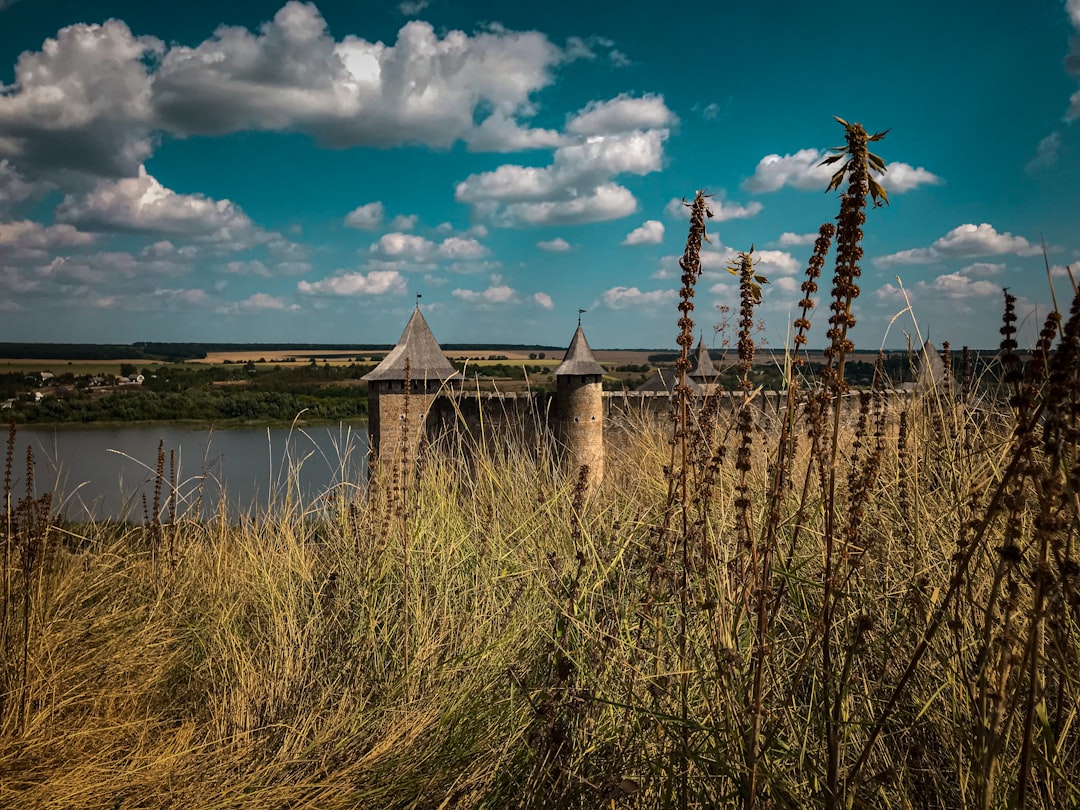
column 415, row 395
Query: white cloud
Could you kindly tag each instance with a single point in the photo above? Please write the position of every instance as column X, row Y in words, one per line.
column 497, row 293
column 722, row 209
column 901, row 178
column 984, row 269
column 409, row 247
column 543, row 300
column 403, row 245
column 366, row 217
column 956, row 285
column 404, row 222
column 556, row 245
column 789, row 239
column 82, row 103
column 710, row 111
column 142, row 204
column 377, row 282
column 651, row 232
column 800, row 170
column 91, row 98
column 775, row 263
column 410, row 8
column 253, row 267
column 292, row 75
column 29, row 236
column 803, row 170
column 952, row 286
column 14, row 188
column 1046, row 153
column 457, row 248
column 624, row 113
column 609, row 201
column 632, row 297
column 964, row 241
column 577, row 186
column 579, row 167
column 260, row 301
column 184, row 296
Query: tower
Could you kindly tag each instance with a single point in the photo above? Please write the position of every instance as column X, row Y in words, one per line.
column 403, row 386
column 579, row 407
column 704, row 373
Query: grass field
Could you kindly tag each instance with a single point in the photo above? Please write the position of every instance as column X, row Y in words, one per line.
column 58, row 367
column 863, row 603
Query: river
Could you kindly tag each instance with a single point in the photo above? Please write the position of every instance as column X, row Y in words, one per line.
column 99, row 474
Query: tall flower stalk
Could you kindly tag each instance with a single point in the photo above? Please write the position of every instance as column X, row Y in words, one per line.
column 858, row 164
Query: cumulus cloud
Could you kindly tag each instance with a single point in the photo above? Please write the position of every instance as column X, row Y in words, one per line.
column 604, row 140
column 376, row 282
column 775, row 263
column 458, row 248
column 543, row 300
column 789, row 239
column 404, row 222
column 403, row 245
column 91, row 99
column 651, row 232
column 292, row 75
column 497, row 293
column 14, row 187
column 406, row 246
column 580, row 166
column 984, row 269
column 609, row 201
column 632, row 297
column 183, row 296
column 556, row 245
column 366, row 217
column 253, row 267
column 964, row 241
column 260, row 301
column 722, row 209
column 82, row 103
column 29, row 239
column 142, row 204
column 803, row 170
column 952, row 286
column 624, row 113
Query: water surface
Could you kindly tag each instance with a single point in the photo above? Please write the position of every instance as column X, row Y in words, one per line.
column 105, row 473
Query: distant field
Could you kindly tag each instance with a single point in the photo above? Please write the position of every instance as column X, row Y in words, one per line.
column 282, row 358
column 76, row 367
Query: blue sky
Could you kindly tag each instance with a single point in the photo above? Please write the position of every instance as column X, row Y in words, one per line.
column 298, row 172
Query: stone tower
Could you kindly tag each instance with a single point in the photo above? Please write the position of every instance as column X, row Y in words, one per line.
column 396, row 419
column 704, row 372
column 579, row 409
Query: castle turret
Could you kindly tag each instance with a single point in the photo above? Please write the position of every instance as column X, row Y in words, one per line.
column 403, row 386
column 580, row 409
column 704, row 372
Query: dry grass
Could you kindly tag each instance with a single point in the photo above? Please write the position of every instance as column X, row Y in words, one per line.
column 870, row 605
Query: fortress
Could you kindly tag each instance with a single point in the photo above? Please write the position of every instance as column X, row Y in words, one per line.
column 415, row 394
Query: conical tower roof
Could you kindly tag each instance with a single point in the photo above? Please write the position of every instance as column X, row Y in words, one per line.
column 418, row 347
column 704, row 370
column 667, row 380
column 929, row 368
column 579, row 359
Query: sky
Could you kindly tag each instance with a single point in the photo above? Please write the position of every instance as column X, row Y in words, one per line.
column 299, row 172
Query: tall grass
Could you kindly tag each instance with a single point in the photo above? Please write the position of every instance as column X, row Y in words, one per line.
column 869, row 602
